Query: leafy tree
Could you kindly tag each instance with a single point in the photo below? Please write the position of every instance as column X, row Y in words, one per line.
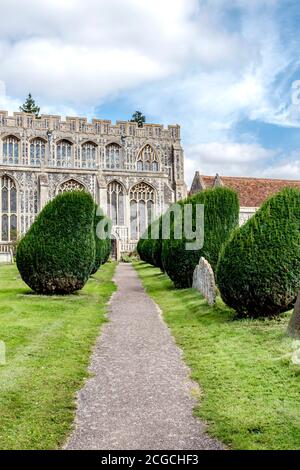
column 30, row 106
column 139, row 118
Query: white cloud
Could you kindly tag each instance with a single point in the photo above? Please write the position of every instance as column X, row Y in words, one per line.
column 75, row 74
column 227, row 158
column 231, row 152
column 287, row 166
column 6, row 102
column 82, row 52
column 184, row 61
column 235, row 159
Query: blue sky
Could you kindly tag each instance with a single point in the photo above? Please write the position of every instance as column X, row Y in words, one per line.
column 222, row 69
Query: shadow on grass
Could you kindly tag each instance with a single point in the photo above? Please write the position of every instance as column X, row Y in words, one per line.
column 220, row 312
column 155, row 281
column 35, row 295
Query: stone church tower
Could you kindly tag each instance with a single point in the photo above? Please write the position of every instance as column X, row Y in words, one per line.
column 133, row 173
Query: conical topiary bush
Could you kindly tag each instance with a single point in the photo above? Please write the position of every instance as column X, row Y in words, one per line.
column 57, row 253
column 259, row 268
column 139, row 248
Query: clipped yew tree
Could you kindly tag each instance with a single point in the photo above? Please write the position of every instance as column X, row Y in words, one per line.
column 221, row 215
column 57, row 253
column 102, row 233
column 157, row 246
column 106, row 250
column 139, row 248
column 259, row 268
column 145, row 245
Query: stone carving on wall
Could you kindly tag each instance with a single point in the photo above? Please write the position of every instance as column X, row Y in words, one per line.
column 71, row 185
column 43, row 178
column 204, row 281
column 57, row 179
column 168, row 194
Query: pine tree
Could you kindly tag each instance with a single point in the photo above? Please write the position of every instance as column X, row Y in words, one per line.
column 139, row 118
column 30, row 106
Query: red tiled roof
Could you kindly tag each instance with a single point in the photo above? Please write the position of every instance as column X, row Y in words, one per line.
column 252, row 191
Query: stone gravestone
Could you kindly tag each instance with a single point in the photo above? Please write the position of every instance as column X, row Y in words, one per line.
column 294, row 325
column 204, row 281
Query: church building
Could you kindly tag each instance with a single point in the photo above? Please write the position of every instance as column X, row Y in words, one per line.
column 133, row 172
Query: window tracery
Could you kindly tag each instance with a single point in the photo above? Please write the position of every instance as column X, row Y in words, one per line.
column 142, row 198
column 147, row 159
column 113, row 156
column 88, row 155
column 115, row 203
column 63, row 153
column 8, row 206
column 37, row 152
column 11, row 150
column 71, row 185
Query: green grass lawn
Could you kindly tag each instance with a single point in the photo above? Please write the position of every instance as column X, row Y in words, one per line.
column 48, row 342
column 250, row 388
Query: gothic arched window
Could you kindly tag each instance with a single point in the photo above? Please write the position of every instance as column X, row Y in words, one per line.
column 11, row 150
column 8, row 206
column 88, row 155
column 147, row 159
column 113, row 156
column 141, row 209
column 71, row 185
column 115, row 203
column 64, row 153
column 37, row 151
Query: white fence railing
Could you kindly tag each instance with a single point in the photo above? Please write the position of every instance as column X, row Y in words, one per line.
column 128, row 247
column 5, row 247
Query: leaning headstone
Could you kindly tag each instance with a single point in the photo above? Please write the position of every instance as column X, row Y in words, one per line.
column 294, row 325
column 204, row 281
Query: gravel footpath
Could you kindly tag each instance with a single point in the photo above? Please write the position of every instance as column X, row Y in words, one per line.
column 140, row 395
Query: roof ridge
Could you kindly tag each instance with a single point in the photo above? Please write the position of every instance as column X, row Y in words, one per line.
column 254, row 178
